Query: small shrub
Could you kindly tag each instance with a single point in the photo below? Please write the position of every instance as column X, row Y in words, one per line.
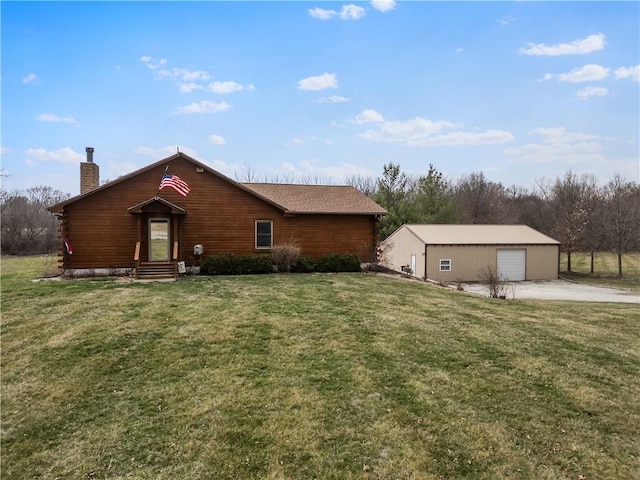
column 251, row 264
column 216, row 265
column 304, row 264
column 495, row 283
column 228, row 264
column 50, row 266
column 285, row 256
column 333, row 262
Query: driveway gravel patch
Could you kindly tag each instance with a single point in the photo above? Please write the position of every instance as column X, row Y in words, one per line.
column 559, row 290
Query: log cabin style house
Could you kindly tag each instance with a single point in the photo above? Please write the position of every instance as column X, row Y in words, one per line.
column 132, row 225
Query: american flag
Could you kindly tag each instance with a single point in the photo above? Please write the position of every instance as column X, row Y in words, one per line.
column 175, row 182
column 67, row 245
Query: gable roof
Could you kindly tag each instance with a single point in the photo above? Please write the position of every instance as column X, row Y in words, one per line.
column 329, row 199
column 292, row 199
column 174, row 208
column 479, row 235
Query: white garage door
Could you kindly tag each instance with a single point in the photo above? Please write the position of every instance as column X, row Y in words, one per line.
column 512, row 264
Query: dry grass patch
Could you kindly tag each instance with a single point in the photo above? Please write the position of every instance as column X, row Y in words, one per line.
column 605, row 269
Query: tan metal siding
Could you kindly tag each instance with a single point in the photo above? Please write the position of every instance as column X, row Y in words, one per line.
column 468, row 260
column 542, row 262
column 398, row 249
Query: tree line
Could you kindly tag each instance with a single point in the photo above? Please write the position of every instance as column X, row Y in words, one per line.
column 572, row 209
column 27, row 227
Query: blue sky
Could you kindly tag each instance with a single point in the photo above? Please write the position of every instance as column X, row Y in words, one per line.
column 295, row 90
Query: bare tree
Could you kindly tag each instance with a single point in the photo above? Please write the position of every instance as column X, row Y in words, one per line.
column 367, row 185
column 27, row 226
column 479, row 200
column 568, row 199
column 246, row 174
column 621, row 217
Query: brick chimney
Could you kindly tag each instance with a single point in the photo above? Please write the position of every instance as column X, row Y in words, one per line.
column 89, row 173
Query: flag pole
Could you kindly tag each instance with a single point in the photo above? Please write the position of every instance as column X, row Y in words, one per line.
column 160, row 185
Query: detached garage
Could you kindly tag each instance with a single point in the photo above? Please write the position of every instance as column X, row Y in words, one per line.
column 450, row 253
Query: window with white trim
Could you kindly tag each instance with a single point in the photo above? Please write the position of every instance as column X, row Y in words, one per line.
column 264, row 233
column 445, row 264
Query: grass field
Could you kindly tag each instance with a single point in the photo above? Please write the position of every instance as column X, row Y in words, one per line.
column 605, row 269
column 318, row 376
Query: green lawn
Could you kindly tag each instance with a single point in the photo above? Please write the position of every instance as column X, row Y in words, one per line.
column 605, row 269
column 318, row 376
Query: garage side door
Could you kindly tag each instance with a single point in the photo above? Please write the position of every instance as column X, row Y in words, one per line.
column 512, row 264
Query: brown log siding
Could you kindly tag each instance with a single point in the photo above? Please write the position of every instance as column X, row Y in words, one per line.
column 219, row 215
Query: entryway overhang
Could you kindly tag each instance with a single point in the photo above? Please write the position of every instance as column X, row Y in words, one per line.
column 151, row 206
column 157, row 251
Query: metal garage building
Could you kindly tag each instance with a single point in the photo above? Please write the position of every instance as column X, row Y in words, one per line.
column 450, row 253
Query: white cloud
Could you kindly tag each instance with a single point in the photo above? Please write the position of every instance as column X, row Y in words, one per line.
column 421, row 132
column 224, row 87
column 321, row 13
column 332, row 99
column 459, row 50
column 558, row 146
column 4, row 150
column 311, row 169
column 62, row 155
column 300, row 141
column 369, row 116
column 351, row 12
column 185, row 78
column 628, row 72
column 506, row 20
column 51, row 117
column 348, row 12
column 189, row 87
column 411, row 130
column 383, row 5
column 592, row 92
column 319, row 82
column 30, row 78
column 163, row 152
column 187, row 75
column 205, row 106
column 560, row 135
column 586, row 73
column 152, row 63
column 592, row 43
column 490, row 137
column 217, row 139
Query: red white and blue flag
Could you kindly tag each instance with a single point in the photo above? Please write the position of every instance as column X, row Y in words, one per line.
column 67, row 245
column 175, row 182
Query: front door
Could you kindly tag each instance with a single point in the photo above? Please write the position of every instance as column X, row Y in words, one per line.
column 159, row 239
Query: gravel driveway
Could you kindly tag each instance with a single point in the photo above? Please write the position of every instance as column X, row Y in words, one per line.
column 559, row 290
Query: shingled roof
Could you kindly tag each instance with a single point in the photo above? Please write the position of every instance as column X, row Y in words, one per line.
column 329, row 199
column 291, row 199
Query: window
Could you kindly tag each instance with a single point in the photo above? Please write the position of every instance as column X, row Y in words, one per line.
column 264, row 233
column 445, row 265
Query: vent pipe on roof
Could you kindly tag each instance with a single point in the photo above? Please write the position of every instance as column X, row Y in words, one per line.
column 89, row 173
